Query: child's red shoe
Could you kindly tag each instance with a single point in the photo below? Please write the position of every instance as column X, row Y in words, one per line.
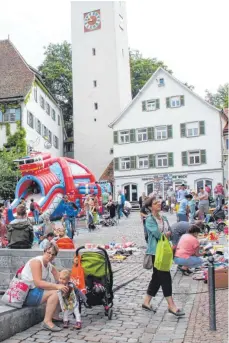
column 78, row 326
column 66, row 325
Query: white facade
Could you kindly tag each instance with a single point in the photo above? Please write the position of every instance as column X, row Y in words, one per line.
column 44, row 126
column 189, row 134
column 101, row 78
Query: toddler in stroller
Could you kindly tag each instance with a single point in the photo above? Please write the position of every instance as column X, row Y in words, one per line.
column 95, row 269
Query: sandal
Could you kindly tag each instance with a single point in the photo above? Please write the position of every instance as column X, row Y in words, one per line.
column 148, row 308
column 178, row 313
column 78, row 325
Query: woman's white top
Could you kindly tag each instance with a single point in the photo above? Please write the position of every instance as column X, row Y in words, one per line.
column 26, row 273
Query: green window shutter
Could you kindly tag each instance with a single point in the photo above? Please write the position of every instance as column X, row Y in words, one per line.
column 152, row 161
column 132, row 162
column 150, row 133
column 168, row 102
column 144, row 106
column 170, row 158
column 115, row 135
column 170, row 131
column 157, row 104
column 132, row 136
column 116, row 163
column 202, row 127
column 182, row 100
column 182, row 130
column 184, row 157
column 203, row 157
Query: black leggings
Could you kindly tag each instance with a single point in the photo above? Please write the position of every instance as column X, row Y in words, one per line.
column 160, row 279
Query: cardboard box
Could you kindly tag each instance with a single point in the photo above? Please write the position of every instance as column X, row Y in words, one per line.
column 221, row 278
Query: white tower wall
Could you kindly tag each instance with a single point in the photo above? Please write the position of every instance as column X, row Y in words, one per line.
column 109, row 67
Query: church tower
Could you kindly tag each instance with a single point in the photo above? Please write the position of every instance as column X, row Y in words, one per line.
column 101, row 78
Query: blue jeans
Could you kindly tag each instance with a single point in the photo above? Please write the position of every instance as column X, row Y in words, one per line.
column 120, row 209
column 192, row 261
column 34, row 297
column 70, row 223
column 219, row 200
column 36, row 216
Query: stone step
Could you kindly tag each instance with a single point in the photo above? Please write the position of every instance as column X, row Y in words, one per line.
column 14, row 320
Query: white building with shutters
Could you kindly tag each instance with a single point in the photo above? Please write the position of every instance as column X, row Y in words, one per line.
column 25, row 101
column 167, row 136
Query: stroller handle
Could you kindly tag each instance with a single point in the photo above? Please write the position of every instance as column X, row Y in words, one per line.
column 83, row 247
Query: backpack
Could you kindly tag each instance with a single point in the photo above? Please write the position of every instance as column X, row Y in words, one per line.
column 32, row 207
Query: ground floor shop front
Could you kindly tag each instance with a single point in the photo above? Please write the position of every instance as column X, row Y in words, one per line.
column 134, row 186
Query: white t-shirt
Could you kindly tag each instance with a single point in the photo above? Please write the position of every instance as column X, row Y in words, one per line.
column 26, row 273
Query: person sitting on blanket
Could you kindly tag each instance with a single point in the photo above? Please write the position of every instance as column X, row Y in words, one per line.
column 68, row 301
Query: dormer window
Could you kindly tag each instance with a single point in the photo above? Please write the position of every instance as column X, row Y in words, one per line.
column 161, row 82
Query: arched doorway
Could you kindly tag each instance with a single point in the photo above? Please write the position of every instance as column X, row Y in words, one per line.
column 131, row 192
column 202, row 182
column 149, row 188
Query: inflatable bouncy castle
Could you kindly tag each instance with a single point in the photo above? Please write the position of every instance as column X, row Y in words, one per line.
column 46, row 179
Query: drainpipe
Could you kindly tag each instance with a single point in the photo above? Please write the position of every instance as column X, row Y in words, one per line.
column 221, row 135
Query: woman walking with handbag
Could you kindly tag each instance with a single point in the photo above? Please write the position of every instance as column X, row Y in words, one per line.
column 156, row 227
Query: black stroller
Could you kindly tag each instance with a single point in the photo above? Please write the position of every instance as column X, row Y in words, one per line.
column 108, row 219
column 98, row 278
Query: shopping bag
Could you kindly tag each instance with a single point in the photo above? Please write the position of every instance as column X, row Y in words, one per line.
column 164, row 255
column 16, row 293
column 77, row 276
column 147, row 262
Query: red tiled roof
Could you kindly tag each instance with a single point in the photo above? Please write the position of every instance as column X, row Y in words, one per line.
column 108, row 173
column 16, row 78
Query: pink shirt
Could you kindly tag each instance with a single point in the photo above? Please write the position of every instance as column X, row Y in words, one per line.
column 187, row 246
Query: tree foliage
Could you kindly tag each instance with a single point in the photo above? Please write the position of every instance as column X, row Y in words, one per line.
column 16, row 141
column 56, row 71
column 220, row 98
column 9, row 173
column 142, row 69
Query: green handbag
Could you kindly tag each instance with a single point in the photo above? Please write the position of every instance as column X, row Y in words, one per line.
column 164, row 255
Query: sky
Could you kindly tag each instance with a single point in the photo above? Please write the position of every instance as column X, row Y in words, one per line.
column 190, row 36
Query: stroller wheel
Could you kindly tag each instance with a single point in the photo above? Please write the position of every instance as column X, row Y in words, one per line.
column 110, row 313
column 220, row 227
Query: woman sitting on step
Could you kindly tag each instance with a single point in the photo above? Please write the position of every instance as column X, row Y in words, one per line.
column 38, row 271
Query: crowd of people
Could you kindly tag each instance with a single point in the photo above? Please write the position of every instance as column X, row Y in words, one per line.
column 20, row 233
column 182, row 235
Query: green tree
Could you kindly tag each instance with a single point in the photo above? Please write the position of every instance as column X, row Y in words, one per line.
column 16, row 142
column 13, row 149
column 220, row 98
column 142, row 69
column 9, row 173
column 56, row 71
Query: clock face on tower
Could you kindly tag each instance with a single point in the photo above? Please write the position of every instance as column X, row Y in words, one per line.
column 92, row 21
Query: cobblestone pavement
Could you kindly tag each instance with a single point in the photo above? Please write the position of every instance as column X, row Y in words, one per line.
column 130, row 323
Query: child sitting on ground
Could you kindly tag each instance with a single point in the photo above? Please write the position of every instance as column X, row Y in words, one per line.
column 68, row 302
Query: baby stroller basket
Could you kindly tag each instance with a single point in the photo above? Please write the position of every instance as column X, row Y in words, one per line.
column 98, row 277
